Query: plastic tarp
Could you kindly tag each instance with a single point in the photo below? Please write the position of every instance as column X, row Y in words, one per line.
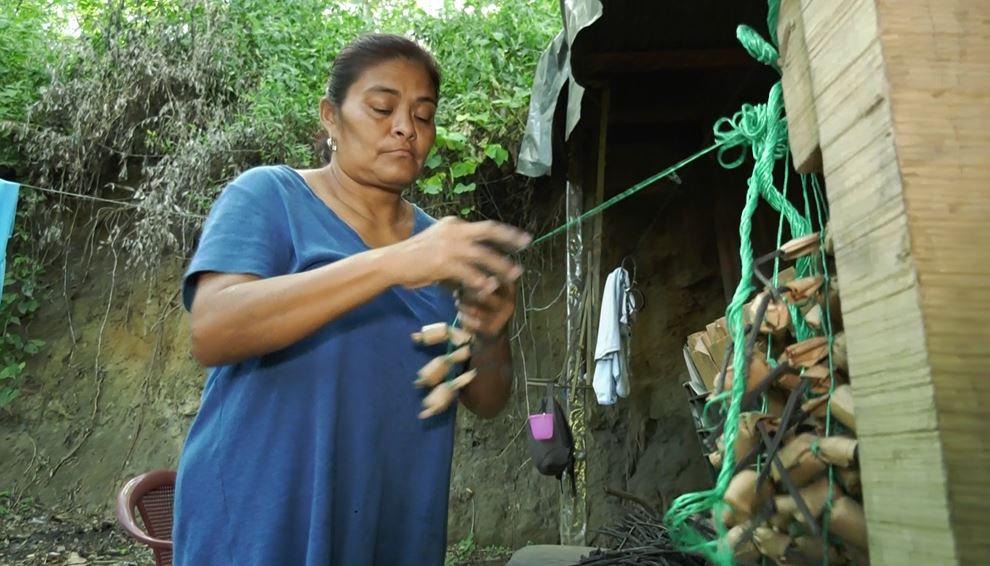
column 552, row 72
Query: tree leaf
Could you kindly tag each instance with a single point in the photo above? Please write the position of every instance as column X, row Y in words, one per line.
column 497, row 153
column 434, row 160
column 7, row 395
column 463, row 169
column 461, row 188
column 432, row 185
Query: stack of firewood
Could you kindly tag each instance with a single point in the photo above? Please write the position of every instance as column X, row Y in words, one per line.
column 795, row 495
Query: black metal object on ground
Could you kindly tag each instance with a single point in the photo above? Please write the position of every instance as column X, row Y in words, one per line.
column 640, row 539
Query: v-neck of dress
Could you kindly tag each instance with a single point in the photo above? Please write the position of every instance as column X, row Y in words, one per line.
column 419, row 217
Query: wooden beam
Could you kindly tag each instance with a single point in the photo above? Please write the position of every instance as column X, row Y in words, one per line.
column 802, row 118
column 573, row 517
column 902, row 91
column 595, row 262
column 620, row 63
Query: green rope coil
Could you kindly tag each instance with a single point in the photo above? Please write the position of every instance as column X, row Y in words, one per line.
column 763, row 129
column 759, row 48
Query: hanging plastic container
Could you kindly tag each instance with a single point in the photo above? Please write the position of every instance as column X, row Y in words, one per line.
column 541, row 425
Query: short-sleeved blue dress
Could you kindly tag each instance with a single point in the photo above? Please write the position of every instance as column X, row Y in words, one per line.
column 313, row 455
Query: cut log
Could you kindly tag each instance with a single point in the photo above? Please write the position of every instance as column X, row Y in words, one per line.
column 742, row 497
column 841, row 406
column 776, row 318
column 743, row 551
column 815, row 496
column 758, row 369
column 806, row 353
column 715, row 459
column 848, row 522
column 801, row 464
column 747, row 436
column 818, row 375
column 813, row 550
column 800, row 290
column 800, row 247
column 837, row 450
column 815, row 316
column 771, row 543
column 704, row 362
column 839, row 357
column 850, row 480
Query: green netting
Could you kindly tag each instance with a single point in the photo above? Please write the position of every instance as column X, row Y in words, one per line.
column 762, row 128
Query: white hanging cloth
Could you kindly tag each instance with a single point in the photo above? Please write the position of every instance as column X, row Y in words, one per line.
column 611, row 378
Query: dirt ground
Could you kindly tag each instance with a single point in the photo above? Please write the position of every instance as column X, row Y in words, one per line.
column 32, row 536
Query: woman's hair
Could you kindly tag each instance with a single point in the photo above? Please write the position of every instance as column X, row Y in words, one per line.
column 362, row 54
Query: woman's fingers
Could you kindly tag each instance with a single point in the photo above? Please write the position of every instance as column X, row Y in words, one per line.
column 485, row 314
column 471, row 323
column 489, row 302
column 471, row 277
column 500, row 235
column 461, row 251
column 495, row 263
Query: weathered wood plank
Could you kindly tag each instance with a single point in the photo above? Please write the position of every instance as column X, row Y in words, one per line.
column 902, row 91
column 905, row 498
column 937, row 58
column 802, row 119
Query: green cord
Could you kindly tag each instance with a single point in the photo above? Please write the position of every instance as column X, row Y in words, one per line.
column 831, row 367
column 763, row 129
column 645, row 183
column 625, row 194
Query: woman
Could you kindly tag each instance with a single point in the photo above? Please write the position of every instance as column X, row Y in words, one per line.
column 303, row 293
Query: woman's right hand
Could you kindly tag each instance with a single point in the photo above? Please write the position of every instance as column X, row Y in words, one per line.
column 472, row 254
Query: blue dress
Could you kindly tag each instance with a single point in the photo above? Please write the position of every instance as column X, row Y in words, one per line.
column 313, row 455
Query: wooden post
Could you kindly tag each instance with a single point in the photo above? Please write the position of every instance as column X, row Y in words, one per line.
column 902, row 92
column 574, row 506
column 595, row 261
column 802, row 118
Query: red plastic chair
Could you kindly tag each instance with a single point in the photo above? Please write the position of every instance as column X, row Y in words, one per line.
column 152, row 495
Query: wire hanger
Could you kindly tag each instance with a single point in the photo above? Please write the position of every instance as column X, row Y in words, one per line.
column 635, row 300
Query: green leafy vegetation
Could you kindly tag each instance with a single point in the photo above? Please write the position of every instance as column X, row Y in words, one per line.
column 157, row 104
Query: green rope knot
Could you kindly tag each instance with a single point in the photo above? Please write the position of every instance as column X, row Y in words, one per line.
column 750, row 127
column 758, row 48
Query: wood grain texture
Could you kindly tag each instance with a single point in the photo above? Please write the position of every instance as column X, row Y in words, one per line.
column 937, row 56
column 802, row 118
column 904, row 479
column 902, row 92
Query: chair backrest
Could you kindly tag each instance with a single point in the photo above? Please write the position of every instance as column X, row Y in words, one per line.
column 152, row 494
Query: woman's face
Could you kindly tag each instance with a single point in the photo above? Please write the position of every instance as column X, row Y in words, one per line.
column 384, row 129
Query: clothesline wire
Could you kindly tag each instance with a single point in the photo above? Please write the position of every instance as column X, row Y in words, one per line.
column 120, row 203
column 574, row 221
column 624, row 194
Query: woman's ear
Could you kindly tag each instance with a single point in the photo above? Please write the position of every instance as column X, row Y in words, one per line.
column 328, row 117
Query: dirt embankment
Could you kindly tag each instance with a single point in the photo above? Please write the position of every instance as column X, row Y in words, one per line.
column 114, row 390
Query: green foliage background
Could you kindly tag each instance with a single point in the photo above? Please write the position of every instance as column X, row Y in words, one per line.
column 157, row 104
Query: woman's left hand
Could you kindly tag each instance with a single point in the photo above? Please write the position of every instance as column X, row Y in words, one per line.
column 487, row 314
